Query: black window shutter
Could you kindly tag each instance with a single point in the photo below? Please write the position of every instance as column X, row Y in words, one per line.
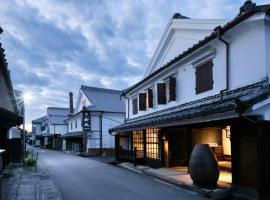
column 172, row 89
column 161, row 93
column 204, row 77
column 142, row 101
column 135, row 106
column 150, row 98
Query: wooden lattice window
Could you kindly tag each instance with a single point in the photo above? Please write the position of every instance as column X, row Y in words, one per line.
column 204, row 77
column 137, row 139
column 152, row 143
column 142, row 101
column 161, row 93
column 150, row 98
column 172, row 89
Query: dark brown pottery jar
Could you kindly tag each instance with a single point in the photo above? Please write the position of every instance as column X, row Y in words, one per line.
column 203, row 166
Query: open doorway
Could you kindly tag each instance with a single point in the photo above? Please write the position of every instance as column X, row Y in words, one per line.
column 180, row 142
column 218, row 139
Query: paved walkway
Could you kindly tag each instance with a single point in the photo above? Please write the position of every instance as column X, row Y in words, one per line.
column 22, row 183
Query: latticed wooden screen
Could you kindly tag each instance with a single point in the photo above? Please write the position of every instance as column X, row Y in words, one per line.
column 152, row 143
column 137, row 138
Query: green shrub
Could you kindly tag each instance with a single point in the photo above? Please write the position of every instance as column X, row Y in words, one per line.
column 30, row 161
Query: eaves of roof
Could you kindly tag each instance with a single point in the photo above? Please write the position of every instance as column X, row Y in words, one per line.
column 238, row 100
column 217, row 32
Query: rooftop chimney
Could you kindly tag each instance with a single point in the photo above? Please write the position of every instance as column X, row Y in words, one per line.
column 71, row 103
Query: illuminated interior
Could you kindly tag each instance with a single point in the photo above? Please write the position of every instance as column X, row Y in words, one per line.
column 152, row 143
column 219, row 141
column 137, row 138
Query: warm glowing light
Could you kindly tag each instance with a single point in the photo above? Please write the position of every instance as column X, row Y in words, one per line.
column 27, row 97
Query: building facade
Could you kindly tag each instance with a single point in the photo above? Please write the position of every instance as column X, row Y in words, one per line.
column 103, row 109
column 9, row 114
column 55, row 127
column 38, row 128
column 215, row 92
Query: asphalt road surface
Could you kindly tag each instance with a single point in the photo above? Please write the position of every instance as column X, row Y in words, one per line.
column 80, row 178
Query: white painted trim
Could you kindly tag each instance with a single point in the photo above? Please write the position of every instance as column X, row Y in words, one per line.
column 261, row 104
column 206, row 56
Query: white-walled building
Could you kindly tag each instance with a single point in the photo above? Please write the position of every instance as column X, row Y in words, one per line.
column 55, row 126
column 38, row 128
column 106, row 110
column 214, row 90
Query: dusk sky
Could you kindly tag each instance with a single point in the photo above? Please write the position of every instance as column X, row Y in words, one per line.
column 55, row 46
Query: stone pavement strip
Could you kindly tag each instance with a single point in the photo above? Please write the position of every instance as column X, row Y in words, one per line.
column 22, row 183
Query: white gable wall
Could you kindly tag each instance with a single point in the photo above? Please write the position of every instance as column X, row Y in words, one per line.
column 247, row 66
column 179, row 35
column 79, row 103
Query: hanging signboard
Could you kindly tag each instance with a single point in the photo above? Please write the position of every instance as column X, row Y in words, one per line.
column 86, row 123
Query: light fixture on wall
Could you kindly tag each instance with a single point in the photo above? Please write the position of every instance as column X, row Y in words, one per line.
column 228, row 132
column 164, row 137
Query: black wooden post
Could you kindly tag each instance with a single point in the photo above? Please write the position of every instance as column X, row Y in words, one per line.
column 135, row 156
column 144, row 145
column 117, row 149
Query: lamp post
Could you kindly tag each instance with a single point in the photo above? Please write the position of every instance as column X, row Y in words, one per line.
column 24, row 146
column 26, row 98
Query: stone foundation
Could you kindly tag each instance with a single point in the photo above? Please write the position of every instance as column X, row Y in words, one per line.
column 96, row 151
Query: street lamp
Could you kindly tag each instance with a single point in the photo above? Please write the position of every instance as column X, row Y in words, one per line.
column 26, row 98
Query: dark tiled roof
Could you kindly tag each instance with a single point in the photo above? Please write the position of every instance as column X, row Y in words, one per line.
column 247, row 10
column 243, row 97
column 179, row 16
column 106, row 100
column 57, row 115
column 40, row 120
column 6, row 75
column 47, row 135
column 72, row 134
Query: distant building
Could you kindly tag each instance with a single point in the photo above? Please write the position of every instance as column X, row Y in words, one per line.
column 38, row 128
column 55, row 126
column 105, row 110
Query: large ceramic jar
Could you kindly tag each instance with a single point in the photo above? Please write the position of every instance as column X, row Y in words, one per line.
column 203, row 166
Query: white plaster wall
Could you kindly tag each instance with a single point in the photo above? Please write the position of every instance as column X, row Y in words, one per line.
column 110, row 120
column 73, row 120
column 248, row 54
column 95, row 123
column 267, row 44
column 179, row 35
column 58, row 129
column 81, row 97
column 247, row 66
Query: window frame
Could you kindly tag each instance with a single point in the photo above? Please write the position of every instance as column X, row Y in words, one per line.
column 204, row 77
column 134, row 112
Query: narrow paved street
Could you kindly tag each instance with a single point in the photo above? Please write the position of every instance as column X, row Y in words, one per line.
column 83, row 178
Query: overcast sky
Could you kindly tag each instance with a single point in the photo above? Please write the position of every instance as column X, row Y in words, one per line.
column 55, row 46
